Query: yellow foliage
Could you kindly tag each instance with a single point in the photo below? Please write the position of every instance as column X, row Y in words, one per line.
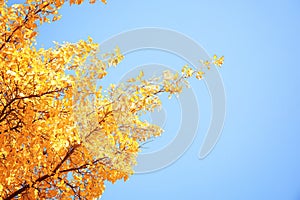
column 60, row 136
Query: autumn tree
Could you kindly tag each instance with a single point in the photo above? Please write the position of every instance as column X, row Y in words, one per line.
column 61, row 136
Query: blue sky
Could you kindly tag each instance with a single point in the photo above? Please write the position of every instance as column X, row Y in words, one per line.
column 258, row 154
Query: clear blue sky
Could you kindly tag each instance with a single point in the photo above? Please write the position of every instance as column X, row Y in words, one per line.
column 258, row 154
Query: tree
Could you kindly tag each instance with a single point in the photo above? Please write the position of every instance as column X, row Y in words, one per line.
column 60, row 135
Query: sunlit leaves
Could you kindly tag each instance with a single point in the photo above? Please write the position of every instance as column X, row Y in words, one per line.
column 61, row 137
column 218, row 61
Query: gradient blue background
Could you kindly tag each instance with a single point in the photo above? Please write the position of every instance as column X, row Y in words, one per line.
column 258, row 154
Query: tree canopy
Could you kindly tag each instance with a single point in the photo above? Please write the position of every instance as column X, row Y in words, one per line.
column 60, row 135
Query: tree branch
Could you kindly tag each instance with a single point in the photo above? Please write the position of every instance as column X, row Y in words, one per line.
column 25, row 187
